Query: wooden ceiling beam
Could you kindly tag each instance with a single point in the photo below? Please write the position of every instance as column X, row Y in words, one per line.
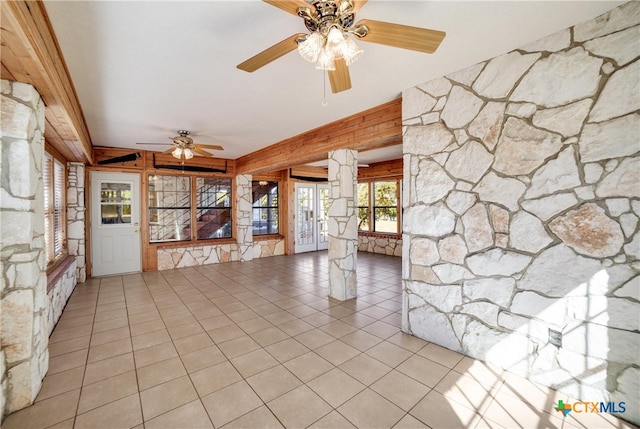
column 31, row 54
column 375, row 128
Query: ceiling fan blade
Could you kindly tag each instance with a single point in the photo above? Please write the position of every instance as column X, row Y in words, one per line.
column 201, row 152
column 270, row 54
column 290, row 6
column 211, row 146
column 339, row 78
column 402, row 36
column 357, row 5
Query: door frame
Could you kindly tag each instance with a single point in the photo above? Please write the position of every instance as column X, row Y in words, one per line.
column 98, row 175
column 316, row 245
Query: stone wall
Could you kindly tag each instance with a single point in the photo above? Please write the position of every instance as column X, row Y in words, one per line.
column 244, row 217
column 263, row 248
column 380, row 244
column 521, row 210
column 24, row 355
column 59, row 294
column 76, row 211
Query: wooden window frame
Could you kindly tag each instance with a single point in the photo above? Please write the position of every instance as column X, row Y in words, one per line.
column 371, row 207
column 277, row 207
column 54, row 178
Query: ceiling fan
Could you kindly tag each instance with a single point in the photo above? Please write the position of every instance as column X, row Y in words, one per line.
column 183, row 146
column 328, row 44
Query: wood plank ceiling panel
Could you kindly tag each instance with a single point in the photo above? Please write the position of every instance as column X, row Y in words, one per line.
column 30, row 54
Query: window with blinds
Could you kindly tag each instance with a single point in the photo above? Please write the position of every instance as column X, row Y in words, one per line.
column 53, row 176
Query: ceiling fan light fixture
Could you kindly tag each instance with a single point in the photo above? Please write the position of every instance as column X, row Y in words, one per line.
column 326, row 60
column 311, row 47
column 350, row 51
column 177, row 152
column 188, row 154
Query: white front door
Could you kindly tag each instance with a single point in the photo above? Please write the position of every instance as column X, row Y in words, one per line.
column 115, row 223
column 312, row 210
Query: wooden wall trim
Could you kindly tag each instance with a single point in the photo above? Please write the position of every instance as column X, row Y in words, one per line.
column 31, row 54
column 374, row 128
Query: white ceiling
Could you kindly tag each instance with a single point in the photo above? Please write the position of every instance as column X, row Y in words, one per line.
column 142, row 70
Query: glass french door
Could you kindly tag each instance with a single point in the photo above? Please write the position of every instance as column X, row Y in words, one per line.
column 312, row 212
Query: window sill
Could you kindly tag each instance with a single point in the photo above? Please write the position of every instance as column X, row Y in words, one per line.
column 266, row 237
column 57, row 269
column 380, row 234
column 198, row 243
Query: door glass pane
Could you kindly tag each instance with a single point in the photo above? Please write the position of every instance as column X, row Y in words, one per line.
column 115, row 203
column 214, row 208
column 323, row 215
column 305, row 217
column 363, row 206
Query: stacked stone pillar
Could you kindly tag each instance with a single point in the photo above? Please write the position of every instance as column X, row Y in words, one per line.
column 343, row 223
column 244, row 217
column 23, row 283
column 76, row 211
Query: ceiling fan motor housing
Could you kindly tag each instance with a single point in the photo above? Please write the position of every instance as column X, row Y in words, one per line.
column 328, row 14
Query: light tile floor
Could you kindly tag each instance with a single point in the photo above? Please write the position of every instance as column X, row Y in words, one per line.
column 259, row 344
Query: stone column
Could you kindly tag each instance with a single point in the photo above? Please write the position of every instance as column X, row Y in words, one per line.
column 343, row 223
column 244, row 216
column 23, row 284
column 76, row 218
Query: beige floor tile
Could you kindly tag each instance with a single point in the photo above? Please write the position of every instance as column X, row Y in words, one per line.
column 67, row 424
column 148, row 316
column 358, row 320
column 365, row 369
column 333, row 420
column 269, row 336
column 541, row 397
column 337, row 352
column 106, row 368
column 260, row 418
column 403, row 391
column 68, row 361
column 314, row 338
column 441, row 355
column 166, row 397
column 508, row 411
column 238, row 346
column 253, row 362
column 299, row 408
column 381, row 329
column 154, row 354
column 193, row 343
column 160, row 372
column 146, row 327
column 423, row 370
column 44, row 413
column 254, row 325
column 466, row 391
column 278, row 317
column 302, row 310
column 295, row 327
column 110, row 336
column 308, row 366
column 109, row 350
column 232, row 307
column 55, row 384
column 110, row 324
column 68, row 346
column 231, row 402
column 286, row 350
column 336, row 387
column 74, row 320
column 199, row 359
column 361, row 340
column 123, row 413
column 406, row 341
column 389, row 354
column 214, row 378
column 273, row 382
column 103, row 392
column 70, row 333
column 410, row 422
column 338, row 328
column 318, row 319
column 184, row 330
column 226, row 333
column 438, row 412
column 487, row 375
column 370, row 410
column 150, row 339
column 110, row 312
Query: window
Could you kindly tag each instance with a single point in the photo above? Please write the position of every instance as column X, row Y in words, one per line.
column 54, row 180
column 378, row 206
column 176, row 203
column 213, row 214
column 265, row 207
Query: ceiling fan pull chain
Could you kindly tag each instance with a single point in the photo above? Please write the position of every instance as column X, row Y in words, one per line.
column 324, row 89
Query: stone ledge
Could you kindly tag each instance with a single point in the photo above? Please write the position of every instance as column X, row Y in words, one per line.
column 56, row 271
column 198, row 243
column 267, row 237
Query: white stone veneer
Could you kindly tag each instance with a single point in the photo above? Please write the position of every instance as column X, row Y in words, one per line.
column 521, row 210
column 24, row 357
